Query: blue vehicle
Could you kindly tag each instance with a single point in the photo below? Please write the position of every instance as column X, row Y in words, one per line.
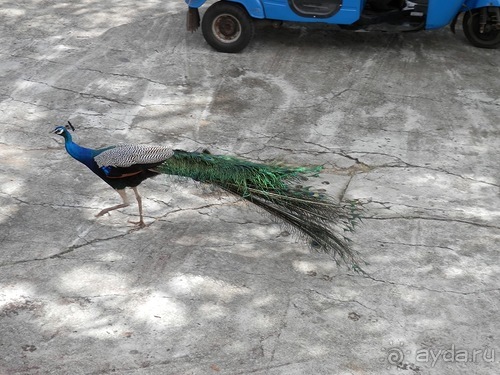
column 228, row 25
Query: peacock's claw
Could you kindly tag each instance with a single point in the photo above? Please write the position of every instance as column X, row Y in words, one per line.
column 138, row 225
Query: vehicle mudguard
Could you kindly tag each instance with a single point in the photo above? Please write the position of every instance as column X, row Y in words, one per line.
column 195, row 3
column 454, row 23
column 473, row 4
column 253, row 7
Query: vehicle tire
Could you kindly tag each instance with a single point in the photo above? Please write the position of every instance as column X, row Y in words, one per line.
column 490, row 38
column 227, row 27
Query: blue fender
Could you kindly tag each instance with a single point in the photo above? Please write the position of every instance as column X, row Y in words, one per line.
column 441, row 13
column 473, row 4
column 253, row 7
column 195, row 3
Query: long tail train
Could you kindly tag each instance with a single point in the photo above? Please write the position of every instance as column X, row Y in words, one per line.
column 277, row 190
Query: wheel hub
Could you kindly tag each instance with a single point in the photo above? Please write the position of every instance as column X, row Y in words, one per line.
column 226, row 28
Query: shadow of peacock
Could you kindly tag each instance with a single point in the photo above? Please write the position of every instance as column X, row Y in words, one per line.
column 277, row 189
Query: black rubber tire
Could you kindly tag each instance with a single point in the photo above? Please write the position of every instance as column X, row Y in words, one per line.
column 489, row 39
column 227, row 27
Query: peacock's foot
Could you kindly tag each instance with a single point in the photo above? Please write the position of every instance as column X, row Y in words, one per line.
column 138, row 225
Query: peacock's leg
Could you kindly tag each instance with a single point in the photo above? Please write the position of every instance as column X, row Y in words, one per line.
column 125, row 203
column 139, row 223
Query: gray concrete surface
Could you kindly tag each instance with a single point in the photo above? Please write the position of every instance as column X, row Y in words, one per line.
column 407, row 122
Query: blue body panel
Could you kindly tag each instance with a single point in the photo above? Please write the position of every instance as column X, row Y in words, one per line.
column 280, row 10
column 440, row 12
column 253, row 7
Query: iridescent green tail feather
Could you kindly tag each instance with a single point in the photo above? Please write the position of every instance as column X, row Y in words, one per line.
column 277, row 189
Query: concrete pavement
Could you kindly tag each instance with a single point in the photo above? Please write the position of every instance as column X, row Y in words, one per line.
column 408, row 123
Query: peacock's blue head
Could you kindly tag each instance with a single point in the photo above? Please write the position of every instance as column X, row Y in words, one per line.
column 60, row 130
column 63, row 130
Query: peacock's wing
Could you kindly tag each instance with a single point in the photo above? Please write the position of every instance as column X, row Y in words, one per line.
column 128, row 155
column 129, row 159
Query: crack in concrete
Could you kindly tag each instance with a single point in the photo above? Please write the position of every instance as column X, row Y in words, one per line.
column 431, row 211
column 418, row 245
column 84, row 69
column 87, row 95
column 415, row 217
column 31, row 103
column 343, row 301
column 125, row 75
column 397, row 95
column 399, row 162
column 163, row 217
column 245, row 222
column 421, row 287
column 389, row 205
column 52, row 205
column 344, row 190
column 296, row 106
column 282, row 326
column 404, row 164
column 64, row 252
column 74, row 247
column 239, row 270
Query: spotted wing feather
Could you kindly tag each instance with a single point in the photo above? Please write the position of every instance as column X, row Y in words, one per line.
column 123, row 156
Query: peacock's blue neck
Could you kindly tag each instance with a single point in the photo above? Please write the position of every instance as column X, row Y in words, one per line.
column 82, row 154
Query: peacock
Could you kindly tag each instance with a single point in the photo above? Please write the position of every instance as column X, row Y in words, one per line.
column 277, row 189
